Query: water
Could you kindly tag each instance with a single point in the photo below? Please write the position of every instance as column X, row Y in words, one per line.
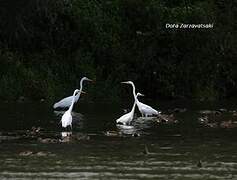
column 98, row 149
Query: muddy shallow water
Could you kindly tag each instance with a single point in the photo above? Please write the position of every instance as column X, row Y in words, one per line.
column 199, row 142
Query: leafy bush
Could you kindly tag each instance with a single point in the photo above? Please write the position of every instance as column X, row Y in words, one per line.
column 48, row 45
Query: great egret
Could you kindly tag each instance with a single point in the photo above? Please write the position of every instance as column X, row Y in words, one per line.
column 67, row 116
column 144, row 109
column 66, row 102
column 127, row 118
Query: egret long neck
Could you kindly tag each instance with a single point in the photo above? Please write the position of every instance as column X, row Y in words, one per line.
column 136, row 99
column 134, row 93
column 133, row 108
column 73, row 100
column 81, row 84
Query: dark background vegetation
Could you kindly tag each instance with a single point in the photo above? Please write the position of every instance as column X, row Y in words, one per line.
column 46, row 46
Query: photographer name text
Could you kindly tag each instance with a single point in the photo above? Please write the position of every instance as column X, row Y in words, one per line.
column 189, row 26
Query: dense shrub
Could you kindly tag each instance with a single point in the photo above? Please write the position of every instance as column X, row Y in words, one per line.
column 48, row 45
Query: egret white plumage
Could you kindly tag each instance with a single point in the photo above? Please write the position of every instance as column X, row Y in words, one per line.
column 144, row 109
column 66, row 102
column 128, row 117
column 67, row 116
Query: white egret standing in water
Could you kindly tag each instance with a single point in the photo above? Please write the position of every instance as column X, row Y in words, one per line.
column 128, row 117
column 67, row 116
column 144, row 109
column 66, row 102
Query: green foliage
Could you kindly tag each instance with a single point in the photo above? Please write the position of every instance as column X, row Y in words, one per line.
column 48, row 45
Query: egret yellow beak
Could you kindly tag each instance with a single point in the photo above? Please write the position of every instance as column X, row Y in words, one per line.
column 83, row 92
column 124, row 82
column 90, row 80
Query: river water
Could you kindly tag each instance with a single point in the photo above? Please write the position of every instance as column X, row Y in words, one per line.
column 32, row 146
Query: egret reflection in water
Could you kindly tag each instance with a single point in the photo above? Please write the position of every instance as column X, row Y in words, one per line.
column 144, row 122
column 126, row 129
column 65, row 134
column 138, row 125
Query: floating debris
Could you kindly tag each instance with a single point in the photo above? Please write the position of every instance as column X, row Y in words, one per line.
column 112, row 133
column 222, row 110
column 212, row 125
column 26, row 153
column 48, row 140
column 203, row 120
column 165, row 118
column 35, row 129
column 136, row 135
column 69, row 137
column 35, row 154
column 228, row 124
column 179, row 110
column 208, row 112
column 223, row 119
column 41, row 153
column 80, row 136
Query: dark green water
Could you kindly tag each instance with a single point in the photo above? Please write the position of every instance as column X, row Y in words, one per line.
column 174, row 148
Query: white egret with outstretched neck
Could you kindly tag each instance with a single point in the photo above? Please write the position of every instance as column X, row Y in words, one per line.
column 144, row 109
column 66, row 102
column 67, row 116
column 128, row 117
